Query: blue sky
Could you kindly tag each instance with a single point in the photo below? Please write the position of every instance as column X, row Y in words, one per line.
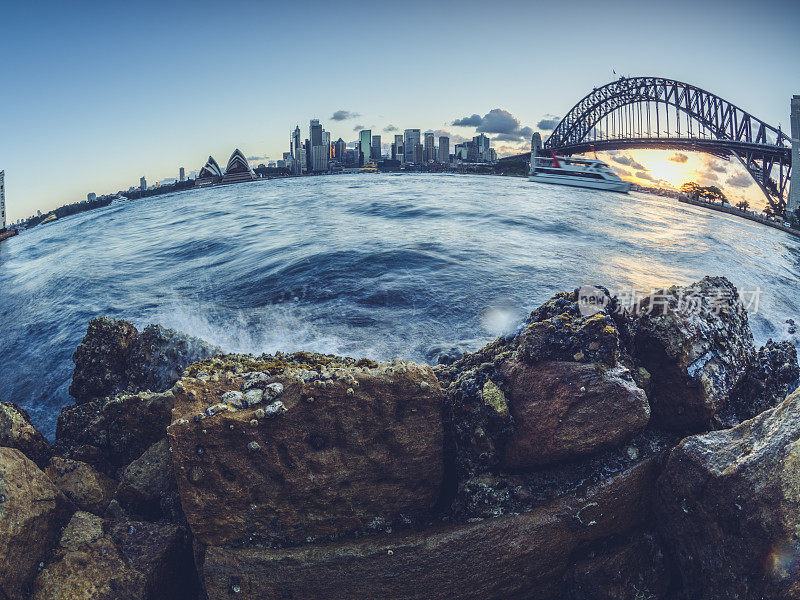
column 96, row 95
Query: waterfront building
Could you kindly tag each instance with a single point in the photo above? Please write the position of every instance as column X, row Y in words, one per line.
column 444, row 149
column 430, row 149
column 300, row 162
column 326, row 141
column 794, row 187
column 419, row 151
column 210, row 174
column 339, row 149
column 2, row 200
column 364, row 146
column 319, row 158
column 181, row 174
column 142, row 183
column 238, row 169
column 375, row 154
column 91, row 197
column 482, row 144
column 410, row 141
column 296, row 143
column 315, row 132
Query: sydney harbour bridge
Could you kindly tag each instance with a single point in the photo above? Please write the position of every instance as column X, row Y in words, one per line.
column 660, row 113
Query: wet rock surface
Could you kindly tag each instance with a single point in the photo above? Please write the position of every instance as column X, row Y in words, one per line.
column 324, row 447
column 17, row 432
column 87, row 488
column 729, row 508
column 696, row 343
column 147, row 487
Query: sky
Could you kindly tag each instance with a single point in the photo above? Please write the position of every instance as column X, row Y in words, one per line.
column 94, row 95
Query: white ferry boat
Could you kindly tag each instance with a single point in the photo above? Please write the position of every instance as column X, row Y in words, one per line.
column 577, row 172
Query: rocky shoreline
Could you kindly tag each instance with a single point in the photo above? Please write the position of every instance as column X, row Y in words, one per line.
column 595, row 454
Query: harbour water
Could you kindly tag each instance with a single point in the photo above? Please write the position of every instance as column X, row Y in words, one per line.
column 364, row 265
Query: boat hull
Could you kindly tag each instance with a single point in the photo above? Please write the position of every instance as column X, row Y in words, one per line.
column 596, row 184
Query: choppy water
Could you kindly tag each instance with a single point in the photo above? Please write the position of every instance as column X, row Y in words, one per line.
column 364, row 265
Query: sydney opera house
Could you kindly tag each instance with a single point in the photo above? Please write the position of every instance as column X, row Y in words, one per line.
column 237, row 171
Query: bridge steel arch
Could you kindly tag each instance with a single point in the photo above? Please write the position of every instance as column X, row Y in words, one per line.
column 723, row 129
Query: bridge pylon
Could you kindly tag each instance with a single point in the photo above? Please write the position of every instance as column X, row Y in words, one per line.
column 794, row 187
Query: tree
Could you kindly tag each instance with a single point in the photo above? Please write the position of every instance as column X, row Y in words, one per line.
column 713, row 194
column 776, row 207
column 743, row 205
column 691, row 189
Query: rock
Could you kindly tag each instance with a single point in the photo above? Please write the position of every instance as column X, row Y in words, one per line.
column 17, row 432
column 728, row 506
column 147, row 488
column 101, row 359
column 563, row 410
column 511, row 557
column 32, row 512
column 329, row 460
column 121, row 428
column 159, row 355
column 86, row 488
column 82, row 530
column 695, row 342
column 634, row 567
column 769, row 379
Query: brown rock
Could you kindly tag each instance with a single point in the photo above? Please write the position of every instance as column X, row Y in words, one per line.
column 32, row 512
column 339, row 447
column 634, row 567
column 101, row 359
column 17, row 432
column 88, row 489
column 563, row 410
column 729, row 508
column 147, row 488
column 695, row 342
column 511, row 557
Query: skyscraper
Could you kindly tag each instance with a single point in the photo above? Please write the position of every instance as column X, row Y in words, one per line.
column 315, row 133
column 364, row 146
column 182, row 174
column 376, row 147
column 410, row 141
column 419, row 157
column 482, row 143
column 339, row 149
column 430, row 148
column 142, row 183
column 2, row 200
column 326, row 141
column 444, row 149
column 297, row 143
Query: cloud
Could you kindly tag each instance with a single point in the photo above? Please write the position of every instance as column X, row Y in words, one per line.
column 548, row 123
column 390, row 128
column 257, row 158
column 740, row 180
column 473, row 121
column 621, row 172
column 713, row 165
column 679, row 157
column 708, row 176
column 645, row 176
column 629, row 162
column 358, row 128
column 343, row 115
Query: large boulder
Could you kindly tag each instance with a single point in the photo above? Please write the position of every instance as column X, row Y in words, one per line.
column 17, row 432
column 696, row 343
column 563, row 410
column 87, row 488
column 147, row 488
column 301, row 446
column 510, row 557
column 729, row 508
column 32, row 512
column 114, row 357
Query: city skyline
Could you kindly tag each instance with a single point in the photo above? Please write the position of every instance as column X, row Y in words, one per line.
column 98, row 107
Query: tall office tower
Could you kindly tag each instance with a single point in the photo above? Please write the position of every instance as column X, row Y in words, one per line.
column 376, row 147
column 794, row 187
column 319, row 158
column 444, row 149
column 2, row 200
column 300, row 161
column 296, row 142
column 142, row 183
column 182, row 174
column 430, row 149
column 398, row 148
column 339, row 149
column 364, row 146
column 315, row 132
column 482, row 142
column 410, row 141
column 309, row 159
column 326, row 141
column 419, row 151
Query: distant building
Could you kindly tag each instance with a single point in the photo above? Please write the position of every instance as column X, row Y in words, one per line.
column 376, row 147
column 296, row 142
column 300, row 161
column 326, row 141
column 482, row 143
column 364, row 146
column 181, row 174
column 418, row 154
column 315, row 132
column 397, row 148
column 238, row 169
column 410, row 142
column 91, row 197
column 2, row 200
column 430, row 148
column 210, row 174
column 339, row 148
column 142, row 183
column 444, row 149
column 319, row 158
